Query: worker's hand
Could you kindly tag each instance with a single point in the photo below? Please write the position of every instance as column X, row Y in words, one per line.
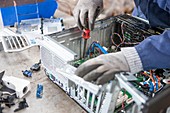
column 86, row 11
column 103, row 68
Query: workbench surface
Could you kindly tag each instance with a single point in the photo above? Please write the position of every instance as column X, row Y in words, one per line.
column 54, row 99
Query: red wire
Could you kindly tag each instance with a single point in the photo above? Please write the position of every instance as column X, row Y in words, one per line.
column 122, row 39
column 123, row 106
column 113, row 40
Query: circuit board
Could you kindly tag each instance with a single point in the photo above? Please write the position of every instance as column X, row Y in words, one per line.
column 148, row 82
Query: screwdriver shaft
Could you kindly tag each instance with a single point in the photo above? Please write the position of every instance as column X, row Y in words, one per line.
column 84, row 49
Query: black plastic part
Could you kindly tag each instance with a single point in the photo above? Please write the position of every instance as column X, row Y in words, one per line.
column 22, row 105
column 1, row 46
column 5, row 98
column 9, row 105
column 1, row 75
column 6, row 89
column 8, row 101
column 36, row 67
column 159, row 103
column 41, row 28
column 1, row 109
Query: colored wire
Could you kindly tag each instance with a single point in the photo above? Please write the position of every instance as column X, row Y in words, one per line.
column 128, row 43
column 123, row 38
column 113, row 40
column 124, row 93
column 122, row 33
column 151, row 76
column 159, row 81
column 95, row 46
column 145, row 74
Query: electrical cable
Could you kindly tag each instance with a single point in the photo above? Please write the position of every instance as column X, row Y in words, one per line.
column 95, row 46
column 133, row 41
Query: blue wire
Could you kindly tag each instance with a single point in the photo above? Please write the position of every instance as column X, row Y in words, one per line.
column 156, row 82
column 93, row 45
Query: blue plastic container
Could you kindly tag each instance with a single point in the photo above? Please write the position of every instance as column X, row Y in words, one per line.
column 13, row 14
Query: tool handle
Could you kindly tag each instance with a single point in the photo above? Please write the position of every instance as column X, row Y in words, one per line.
column 86, row 34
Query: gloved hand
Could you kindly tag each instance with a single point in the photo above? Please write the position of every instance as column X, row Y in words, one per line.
column 86, row 11
column 102, row 68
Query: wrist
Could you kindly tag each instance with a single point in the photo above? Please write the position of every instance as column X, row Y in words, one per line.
column 133, row 59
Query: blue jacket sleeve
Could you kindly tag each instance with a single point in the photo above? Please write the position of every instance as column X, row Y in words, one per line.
column 154, row 51
column 137, row 12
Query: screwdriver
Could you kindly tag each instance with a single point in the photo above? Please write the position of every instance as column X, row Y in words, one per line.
column 85, row 35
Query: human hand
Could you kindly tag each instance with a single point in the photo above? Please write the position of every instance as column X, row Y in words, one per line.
column 103, row 68
column 86, row 11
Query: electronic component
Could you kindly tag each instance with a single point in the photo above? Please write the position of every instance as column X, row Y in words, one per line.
column 39, row 92
column 20, row 86
column 13, row 85
column 77, row 63
column 22, row 105
column 7, row 99
column 36, row 66
column 27, row 73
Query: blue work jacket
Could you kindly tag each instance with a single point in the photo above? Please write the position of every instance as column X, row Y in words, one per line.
column 154, row 51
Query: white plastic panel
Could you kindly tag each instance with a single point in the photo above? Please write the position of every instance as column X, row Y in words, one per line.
column 13, row 42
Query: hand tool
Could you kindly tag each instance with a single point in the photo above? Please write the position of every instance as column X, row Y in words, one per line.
column 85, row 35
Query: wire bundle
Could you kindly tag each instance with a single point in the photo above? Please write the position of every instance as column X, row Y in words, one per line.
column 124, row 38
column 95, row 49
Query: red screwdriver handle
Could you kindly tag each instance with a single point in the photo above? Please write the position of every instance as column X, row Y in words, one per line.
column 86, row 34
